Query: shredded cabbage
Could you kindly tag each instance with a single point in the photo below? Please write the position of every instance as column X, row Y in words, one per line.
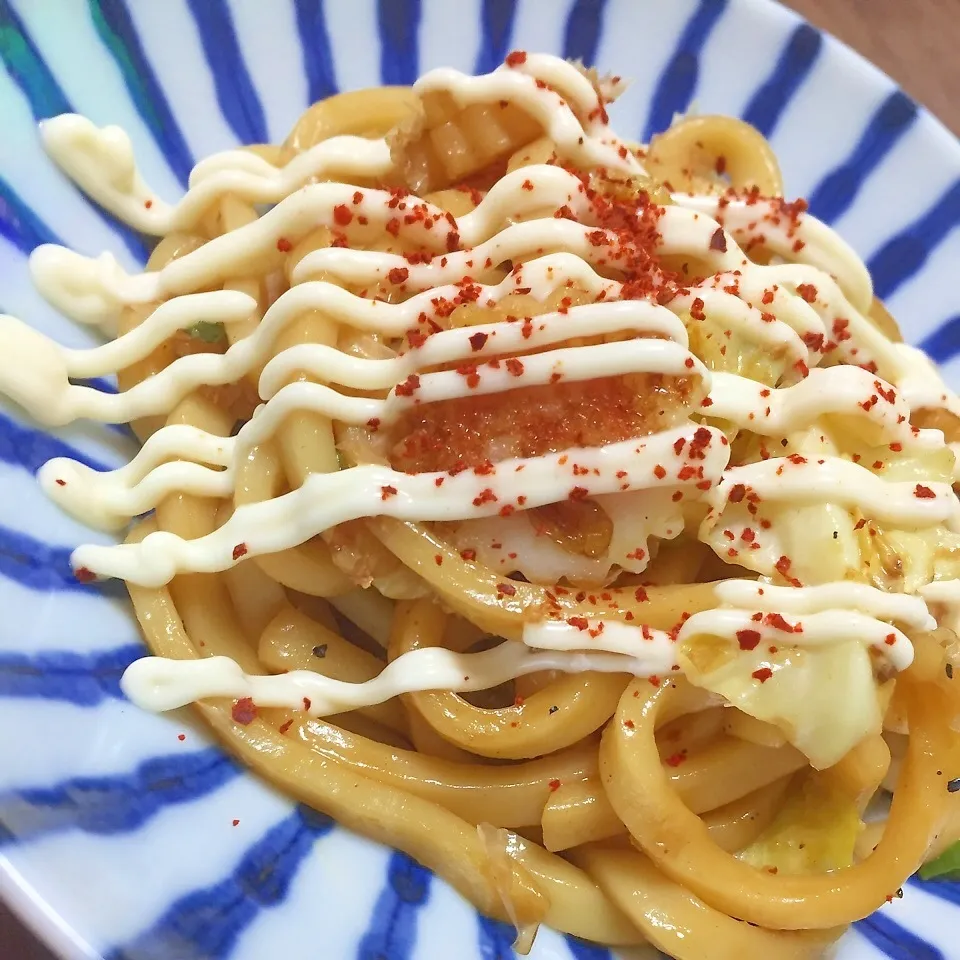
column 814, row 832
column 824, row 699
column 944, row 867
column 207, row 331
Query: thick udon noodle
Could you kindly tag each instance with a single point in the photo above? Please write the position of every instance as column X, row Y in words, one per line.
column 619, row 809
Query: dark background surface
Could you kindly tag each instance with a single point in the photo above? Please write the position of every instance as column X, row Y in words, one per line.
column 914, row 42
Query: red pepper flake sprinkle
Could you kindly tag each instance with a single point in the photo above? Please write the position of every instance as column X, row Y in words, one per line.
column 748, row 639
column 696, row 309
column 782, row 566
column 438, row 559
column 515, row 367
column 640, row 595
column 721, row 165
column 342, row 215
column 578, row 493
column 923, row 493
column 776, row 621
column 307, row 703
column 477, row 340
column 244, row 711
column 398, row 275
column 181, row 736
column 236, row 823
column 890, row 639
column 763, row 674
column 808, row 291
column 408, row 387
column 486, row 495
column 675, row 759
column 659, row 472
column 285, row 726
column 506, row 588
column 554, row 785
column 469, row 554
column 629, row 724
column 84, row 574
column 737, row 493
column 284, row 245
column 718, row 241
column 240, row 550
column 148, row 203
column 581, row 623
column 516, row 58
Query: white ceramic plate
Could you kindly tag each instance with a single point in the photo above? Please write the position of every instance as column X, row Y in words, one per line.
column 116, row 837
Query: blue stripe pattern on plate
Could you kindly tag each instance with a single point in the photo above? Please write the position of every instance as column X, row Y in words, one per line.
column 109, row 805
column 32, row 75
column 495, row 939
column 113, row 23
column 19, row 224
column 399, row 22
column 83, row 679
column 496, row 25
column 836, row 192
column 895, row 941
column 206, row 924
column 674, row 89
column 792, row 68
column 37, row 566
column 30, row 449
column 944, row 343
column 581, row 36
column 903, row 255
column 315, row 44
column 236, row 93
column 948, row 890
column 393, row 923
column 583, row 950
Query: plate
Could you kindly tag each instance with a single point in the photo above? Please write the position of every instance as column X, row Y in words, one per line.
column 124, row 835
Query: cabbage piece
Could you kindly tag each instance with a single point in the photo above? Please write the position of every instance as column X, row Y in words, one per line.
column 906, row 560
column 815, row 831
column 724, row 348
column 819, row 538
column 824, row 699
column 208, row 332
column 944, row 867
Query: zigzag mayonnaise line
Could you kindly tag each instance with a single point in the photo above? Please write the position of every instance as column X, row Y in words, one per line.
column 599, row 645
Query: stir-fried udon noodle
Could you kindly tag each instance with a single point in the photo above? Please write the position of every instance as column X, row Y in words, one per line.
column 563, row 512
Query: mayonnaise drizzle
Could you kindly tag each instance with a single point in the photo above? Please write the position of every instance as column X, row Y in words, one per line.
column 158, row 684
column 760, row 303
column 608, row 646
column 325, row 500
column 567, row 107
column 832, row 479
column 100, row 161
